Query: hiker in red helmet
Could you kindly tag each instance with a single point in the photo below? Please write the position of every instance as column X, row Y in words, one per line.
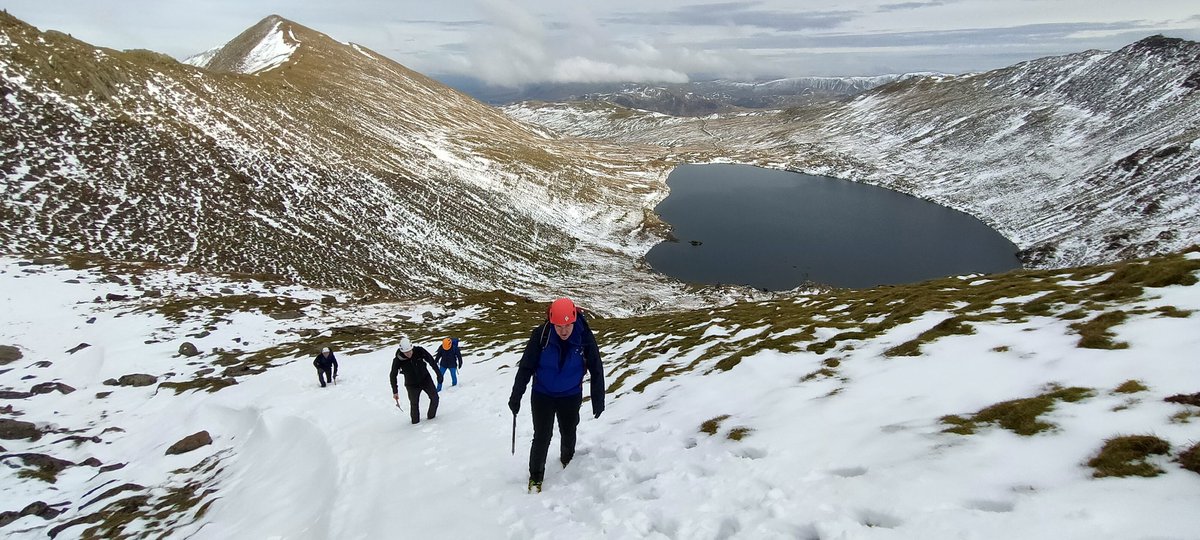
column 559, row 353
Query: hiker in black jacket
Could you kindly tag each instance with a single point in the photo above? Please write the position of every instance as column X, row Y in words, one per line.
column 416, row 378
column 326, row 364
column 559, row 353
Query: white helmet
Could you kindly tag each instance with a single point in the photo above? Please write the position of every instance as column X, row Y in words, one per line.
column 405, row 344
column 325, row 350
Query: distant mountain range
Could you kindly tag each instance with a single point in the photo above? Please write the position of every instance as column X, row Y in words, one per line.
column 684, row 99
column 1078, row 159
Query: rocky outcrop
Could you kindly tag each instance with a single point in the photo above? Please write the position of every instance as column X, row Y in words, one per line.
column 189, row 443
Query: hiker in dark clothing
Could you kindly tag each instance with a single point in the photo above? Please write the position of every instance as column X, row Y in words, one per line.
column 326, row 364
column 449, row 358
column 416, row 378
column 559, row 353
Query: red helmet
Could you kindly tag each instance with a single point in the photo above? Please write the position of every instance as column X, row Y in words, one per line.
column 562, row 311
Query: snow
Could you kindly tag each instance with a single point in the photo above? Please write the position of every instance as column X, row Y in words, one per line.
column 271, row 52
column 860, row 455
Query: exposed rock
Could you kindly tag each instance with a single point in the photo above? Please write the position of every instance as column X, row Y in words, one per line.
column 287, row 315
column 204, row 371
column 9, row 353
column 78, row 348
column 79, row 439
column 328, row 299
column 1184, row 399
column 91, row 462
column 11, row 394
column 152, row 293
column 133, row 379
column 113, row 491
column 39, row 509
column 102, row 395
column 43, row 364
column 46, row 388
column 226, row 290
column 113, row 297
column 238, row 371
column 91, row 320
column 188, row 349
column 113, row 467
column 16, row 429
column 48, row 467
column 189, row 443
column 353, row 330
column 130, row 506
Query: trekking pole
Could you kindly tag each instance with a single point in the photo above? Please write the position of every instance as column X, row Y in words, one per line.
column 514, row 437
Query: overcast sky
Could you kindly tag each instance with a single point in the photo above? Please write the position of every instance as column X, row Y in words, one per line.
column 511, row 42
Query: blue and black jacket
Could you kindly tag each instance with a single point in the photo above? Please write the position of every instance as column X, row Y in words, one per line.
column 557, row 367
column 447, row 359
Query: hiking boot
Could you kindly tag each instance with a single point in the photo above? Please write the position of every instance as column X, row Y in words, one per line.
column 535, row 486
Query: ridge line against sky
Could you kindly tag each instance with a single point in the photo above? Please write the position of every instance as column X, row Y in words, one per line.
column 514, row 43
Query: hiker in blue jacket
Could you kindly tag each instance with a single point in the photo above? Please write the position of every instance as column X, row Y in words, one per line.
column 449, row 359
column 326, row 364
column 559, row 353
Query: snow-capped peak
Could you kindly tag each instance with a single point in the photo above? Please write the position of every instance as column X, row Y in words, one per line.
column 264, row 46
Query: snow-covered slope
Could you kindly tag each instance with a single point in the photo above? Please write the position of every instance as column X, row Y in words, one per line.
column 299, row 156
column 1078, row 159
column 964, row 407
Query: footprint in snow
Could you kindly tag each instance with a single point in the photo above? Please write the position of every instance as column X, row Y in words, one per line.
column 849, row 472
column 751, row 453
column 989, row 506
column 876, row 518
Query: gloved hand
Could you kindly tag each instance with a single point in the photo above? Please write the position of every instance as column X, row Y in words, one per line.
column 514, row 405
column 598, row 413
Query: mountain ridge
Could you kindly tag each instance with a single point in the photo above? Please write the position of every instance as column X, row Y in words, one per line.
column 1078, row 159
column 359, row 180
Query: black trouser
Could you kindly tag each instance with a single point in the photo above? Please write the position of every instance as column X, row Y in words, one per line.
column 324, row 375
column 414, row 392
column 545, row 408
